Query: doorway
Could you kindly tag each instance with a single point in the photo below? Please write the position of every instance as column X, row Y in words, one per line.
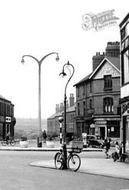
column 102, row 133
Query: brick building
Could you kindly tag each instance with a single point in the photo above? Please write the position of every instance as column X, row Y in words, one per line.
column 7, row 119
column 53, row 125
column 97, row 95
column 124, row 33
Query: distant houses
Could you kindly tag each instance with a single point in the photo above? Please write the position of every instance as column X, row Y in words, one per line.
column 53, row 127
column 97, row 109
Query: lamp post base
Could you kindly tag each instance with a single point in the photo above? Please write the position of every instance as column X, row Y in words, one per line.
column 65, row 157
column 39, row 142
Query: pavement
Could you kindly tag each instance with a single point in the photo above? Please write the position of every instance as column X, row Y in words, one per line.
column 95, row 166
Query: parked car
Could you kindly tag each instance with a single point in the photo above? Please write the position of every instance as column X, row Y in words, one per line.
column 93, row 141
column 89, row 137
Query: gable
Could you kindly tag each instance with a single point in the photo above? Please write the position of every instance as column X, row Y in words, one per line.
column 106, row 69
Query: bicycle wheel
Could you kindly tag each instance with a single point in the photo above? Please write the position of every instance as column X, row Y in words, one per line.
column 58, row 160
column 12, row 143
column 3, row 143
column 74, row 162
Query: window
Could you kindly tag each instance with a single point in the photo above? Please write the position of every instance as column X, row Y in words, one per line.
column 84, row 108
column 90, row 104
column 123, row 33
column 78, row 106
column 108, row 105
column 90, row 87
column 83, row 89
column 107, row 82
column 7, row 110
column 78, row 92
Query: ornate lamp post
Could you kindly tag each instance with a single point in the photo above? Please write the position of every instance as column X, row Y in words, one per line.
column 39, row 141
column 68, row 66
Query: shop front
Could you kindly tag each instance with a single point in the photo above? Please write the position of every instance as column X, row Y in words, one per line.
column 107, row 128
column 125, row 124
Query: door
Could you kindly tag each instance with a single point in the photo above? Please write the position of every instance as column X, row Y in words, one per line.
column 102, row 133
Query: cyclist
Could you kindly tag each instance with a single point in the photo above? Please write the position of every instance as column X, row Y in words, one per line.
column 7, row 137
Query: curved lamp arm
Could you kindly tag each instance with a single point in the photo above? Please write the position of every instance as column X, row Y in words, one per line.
column 40, row 61
column 64, row 74
column 57, row 58
column 23, row 61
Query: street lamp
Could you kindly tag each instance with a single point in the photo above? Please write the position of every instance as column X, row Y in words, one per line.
column 68, row 66
column 39, row 140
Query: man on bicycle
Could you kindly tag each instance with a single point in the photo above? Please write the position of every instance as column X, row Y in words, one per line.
column 7, row 137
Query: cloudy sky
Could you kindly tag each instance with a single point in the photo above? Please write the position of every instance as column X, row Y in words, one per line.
column 38, row 27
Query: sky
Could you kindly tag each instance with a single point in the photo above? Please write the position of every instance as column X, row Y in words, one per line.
column 39, row 27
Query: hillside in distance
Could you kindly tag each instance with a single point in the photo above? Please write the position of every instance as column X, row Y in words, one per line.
column 26, row 124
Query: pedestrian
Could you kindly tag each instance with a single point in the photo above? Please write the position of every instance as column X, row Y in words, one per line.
column 44, row 136
column 107, row 147
column 116, row 154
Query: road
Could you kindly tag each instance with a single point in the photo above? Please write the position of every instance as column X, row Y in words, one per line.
column 17, row 174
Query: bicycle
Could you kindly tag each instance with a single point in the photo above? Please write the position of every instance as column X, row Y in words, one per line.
column 73, row 159
column 7, row 142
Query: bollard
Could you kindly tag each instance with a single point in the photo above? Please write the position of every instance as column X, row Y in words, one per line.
column 61, row 124
column 39, row 143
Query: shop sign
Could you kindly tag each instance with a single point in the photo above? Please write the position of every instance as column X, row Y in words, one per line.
column 101, row 122
column 8, row 119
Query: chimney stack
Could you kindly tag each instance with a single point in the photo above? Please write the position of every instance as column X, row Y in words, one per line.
column 57, row 108
column 96, row 59
column 113, row 49
column 61, row 107
column 71, row 100
column 67, row 104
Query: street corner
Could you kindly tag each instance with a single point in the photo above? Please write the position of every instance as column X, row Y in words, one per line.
column 105, row 167
column 43, row 164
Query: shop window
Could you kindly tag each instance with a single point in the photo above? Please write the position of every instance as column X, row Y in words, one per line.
column 108, row 105
column 107, row 82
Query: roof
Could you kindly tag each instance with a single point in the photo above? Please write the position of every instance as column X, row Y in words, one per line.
column 114, row 61
column 4, row 99
column 124, row 20
column 69, row 109
column 83, row 80
column 55, row 115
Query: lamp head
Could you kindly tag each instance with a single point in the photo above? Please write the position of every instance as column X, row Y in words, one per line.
column 60, row 119
column 68, row 63
column 22, row 61
column 57, row 57
column 63, row 73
